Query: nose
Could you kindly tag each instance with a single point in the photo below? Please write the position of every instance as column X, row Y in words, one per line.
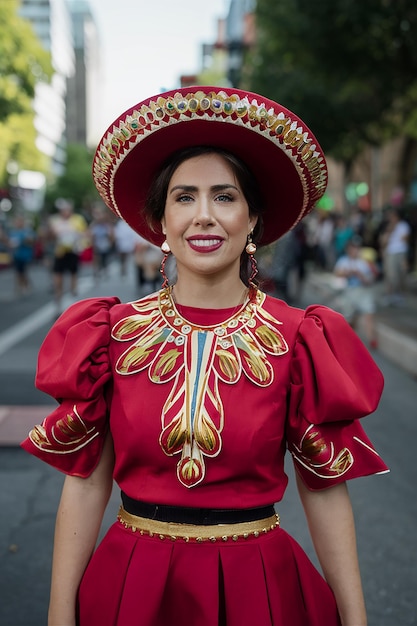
column 204, row 214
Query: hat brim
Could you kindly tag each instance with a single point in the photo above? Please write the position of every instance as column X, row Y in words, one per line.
column 289, row 166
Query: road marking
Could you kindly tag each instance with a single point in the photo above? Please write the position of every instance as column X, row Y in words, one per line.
column 14, row 334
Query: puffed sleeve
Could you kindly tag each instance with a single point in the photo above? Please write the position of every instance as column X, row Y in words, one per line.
column 73, row 367
column 334, row 382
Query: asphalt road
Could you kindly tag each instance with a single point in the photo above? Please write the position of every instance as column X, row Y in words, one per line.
column 385, row 506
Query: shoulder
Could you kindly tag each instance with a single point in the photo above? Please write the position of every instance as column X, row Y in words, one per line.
column 279, row 308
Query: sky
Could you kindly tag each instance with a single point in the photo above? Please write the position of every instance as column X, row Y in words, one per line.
column 146, row 46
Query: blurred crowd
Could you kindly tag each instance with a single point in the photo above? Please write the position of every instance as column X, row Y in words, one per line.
column 68, row 239
column 354, row 252
column 357, row 249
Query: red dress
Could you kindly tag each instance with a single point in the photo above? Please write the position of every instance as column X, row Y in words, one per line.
column 202, row 405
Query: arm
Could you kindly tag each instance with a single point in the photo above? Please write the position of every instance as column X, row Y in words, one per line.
column 79, row 517
column 330, row 519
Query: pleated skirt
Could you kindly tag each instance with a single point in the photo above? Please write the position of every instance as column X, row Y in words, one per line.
column 135, row 580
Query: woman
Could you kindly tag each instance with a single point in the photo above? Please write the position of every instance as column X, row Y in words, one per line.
column 189, row 397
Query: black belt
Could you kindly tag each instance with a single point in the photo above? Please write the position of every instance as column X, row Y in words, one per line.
column 188, row 515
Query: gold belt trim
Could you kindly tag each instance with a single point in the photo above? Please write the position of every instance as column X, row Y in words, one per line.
column 191, row 532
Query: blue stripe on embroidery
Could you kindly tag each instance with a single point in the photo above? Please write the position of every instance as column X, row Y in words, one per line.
column 201, row 341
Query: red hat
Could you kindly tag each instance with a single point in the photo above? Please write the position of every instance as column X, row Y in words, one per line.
column 274, row 143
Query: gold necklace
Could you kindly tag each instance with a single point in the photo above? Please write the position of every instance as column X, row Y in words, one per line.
column 242, row 300
column 174, row 318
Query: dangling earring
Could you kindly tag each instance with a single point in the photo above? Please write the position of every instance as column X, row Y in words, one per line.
column 251, row 249
column 250, row 246
column 165, row 247
column 167, row 251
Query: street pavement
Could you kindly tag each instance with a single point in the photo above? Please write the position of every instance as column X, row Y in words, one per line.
column 396, row 325
column 385, row 506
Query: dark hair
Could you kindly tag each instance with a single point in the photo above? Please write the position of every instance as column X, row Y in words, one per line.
column 156, row 199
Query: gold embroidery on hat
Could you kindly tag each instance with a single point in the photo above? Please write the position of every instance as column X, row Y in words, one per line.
column 275, row 126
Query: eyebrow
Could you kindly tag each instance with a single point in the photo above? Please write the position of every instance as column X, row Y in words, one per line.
column 193, row 188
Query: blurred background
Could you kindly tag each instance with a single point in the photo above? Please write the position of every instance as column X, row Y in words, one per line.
column 68, row 68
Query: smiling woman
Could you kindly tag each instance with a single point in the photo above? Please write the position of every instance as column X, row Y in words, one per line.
column 207, row 223
column 189, row 397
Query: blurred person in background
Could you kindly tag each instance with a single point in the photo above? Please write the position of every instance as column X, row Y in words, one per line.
column 282, row 264
column 68, row 232
column 357, row 298
column 394, row 242
column 124, row 241
column 102, row 239
column 21, row 240
column 322, row 239
column 148, row 259
column 343, row 232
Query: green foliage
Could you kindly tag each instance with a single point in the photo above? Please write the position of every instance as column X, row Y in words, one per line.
column 23, row 61
column 17, row 143
column 348, row 68
column 77, row 181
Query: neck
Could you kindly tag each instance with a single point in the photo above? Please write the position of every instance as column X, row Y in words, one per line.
column 206, row 295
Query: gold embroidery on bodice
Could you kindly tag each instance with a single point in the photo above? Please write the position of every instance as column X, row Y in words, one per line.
column 195, row 359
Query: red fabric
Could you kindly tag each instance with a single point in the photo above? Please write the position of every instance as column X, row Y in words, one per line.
column 267, row 581
column 318, row 389
column 329, row 393
column 321, row 386
column 74, row 368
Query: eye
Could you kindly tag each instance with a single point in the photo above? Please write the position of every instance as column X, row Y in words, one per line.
column 184, row 197
column 224, row 197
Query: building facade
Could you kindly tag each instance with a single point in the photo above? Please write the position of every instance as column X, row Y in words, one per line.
column 84, row 85
column 52, row 24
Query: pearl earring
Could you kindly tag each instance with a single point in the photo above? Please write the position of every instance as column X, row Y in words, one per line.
column 165, row 247
column 250, row 246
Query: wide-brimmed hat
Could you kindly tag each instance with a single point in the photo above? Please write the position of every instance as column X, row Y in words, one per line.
column 275, row 144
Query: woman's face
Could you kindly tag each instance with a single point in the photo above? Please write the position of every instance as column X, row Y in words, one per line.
column 206, row 219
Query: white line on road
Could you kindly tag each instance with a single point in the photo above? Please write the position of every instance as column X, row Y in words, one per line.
column 37, row 319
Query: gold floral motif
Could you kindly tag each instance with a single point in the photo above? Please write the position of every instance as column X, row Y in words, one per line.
column 70, row 426
column 177, row 436
column 195, row 359
column 319, row 456
column 190, row 471
column 275, row 342
column 228, row 364
column 255, row 364
column 205, row 434
column 165, row 364
column 257, row 367
column 130, row 325
column 38, row 436
column 67, row 434
column 342, row 462
column 134, row 358
column 313, row 444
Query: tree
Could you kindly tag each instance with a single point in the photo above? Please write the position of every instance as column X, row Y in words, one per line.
column 348, row 68
column 77, row 181
column 23, row 63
